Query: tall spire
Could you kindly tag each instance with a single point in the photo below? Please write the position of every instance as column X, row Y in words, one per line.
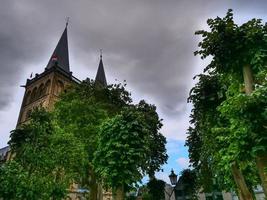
column 100, row 75
column 60, row 55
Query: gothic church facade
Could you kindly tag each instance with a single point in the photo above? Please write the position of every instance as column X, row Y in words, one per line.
column 44, row 89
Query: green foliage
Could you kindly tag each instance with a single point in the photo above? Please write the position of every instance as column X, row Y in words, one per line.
column 122, row 149
column 89, row 123
column 157, row 151
column 247, row 125
column 228, row 125
column 206, row 96
column 46, row 161
column 189, row 179
column 17, row 182
column 84, row 110
column 156, row 189
column 232, row 46
column 12, row 174
column 78, row 113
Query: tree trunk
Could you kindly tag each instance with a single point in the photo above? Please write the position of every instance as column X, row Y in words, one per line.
column 93, row 186
column 244, row 192
column 240, row 195
column 118, row 194
column 93, row 192
column 248, row 79
column 261, row 160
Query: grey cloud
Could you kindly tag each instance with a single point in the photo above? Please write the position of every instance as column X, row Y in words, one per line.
column 150, row 43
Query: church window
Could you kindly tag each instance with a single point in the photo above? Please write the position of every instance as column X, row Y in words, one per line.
column 47, row 87
column 34, row 94
column 41, row 91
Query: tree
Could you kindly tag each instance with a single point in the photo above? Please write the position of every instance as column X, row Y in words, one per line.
column 124, row 150
column 156, row 189
column 238, row 58
column 47, row 160
column 12, row 174
column 83, row 110
column 189, row 179
column 206, row 96
column 158, row 154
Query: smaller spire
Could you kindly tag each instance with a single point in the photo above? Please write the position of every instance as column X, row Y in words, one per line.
column 100, row 75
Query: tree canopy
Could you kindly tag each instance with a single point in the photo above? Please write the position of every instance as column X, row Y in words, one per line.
column 227, row 137
column 93, row 114
column 45, row 163
column 95, row 135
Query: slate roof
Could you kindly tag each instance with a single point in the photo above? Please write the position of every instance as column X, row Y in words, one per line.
column 61, row 53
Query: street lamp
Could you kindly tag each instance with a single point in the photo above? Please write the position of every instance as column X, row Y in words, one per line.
column 173, row 177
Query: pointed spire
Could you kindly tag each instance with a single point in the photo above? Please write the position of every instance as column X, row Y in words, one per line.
column 60, row 56
column 100, row 75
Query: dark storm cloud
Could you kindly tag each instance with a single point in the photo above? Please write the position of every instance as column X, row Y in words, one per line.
column 154, row 43
column 18, row 48
column 150, row 43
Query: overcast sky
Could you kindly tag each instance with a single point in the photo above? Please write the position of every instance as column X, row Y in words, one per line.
column 148, row 43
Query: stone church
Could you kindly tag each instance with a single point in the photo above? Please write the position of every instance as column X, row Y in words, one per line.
column 44, row 89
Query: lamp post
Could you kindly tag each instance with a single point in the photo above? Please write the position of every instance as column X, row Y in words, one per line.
column 173, row 179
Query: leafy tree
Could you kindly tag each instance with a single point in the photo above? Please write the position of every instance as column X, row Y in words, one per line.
column 12, row 174
column 238, row 59
column 46, row 161
column 81, row 110
column 55, row 149
column 189, row 179
column 158, row 155
column 205, row 96
column 205, row 136
column 85, row 107
column 156, row 189
column 124, row 149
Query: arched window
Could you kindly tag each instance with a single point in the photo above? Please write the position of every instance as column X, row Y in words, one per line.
column 34, row 94
column 27, row 98
column 47, row 87
column 60, row 87
column 41, row 91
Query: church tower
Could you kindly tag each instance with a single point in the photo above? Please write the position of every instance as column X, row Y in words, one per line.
column 44, row 89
